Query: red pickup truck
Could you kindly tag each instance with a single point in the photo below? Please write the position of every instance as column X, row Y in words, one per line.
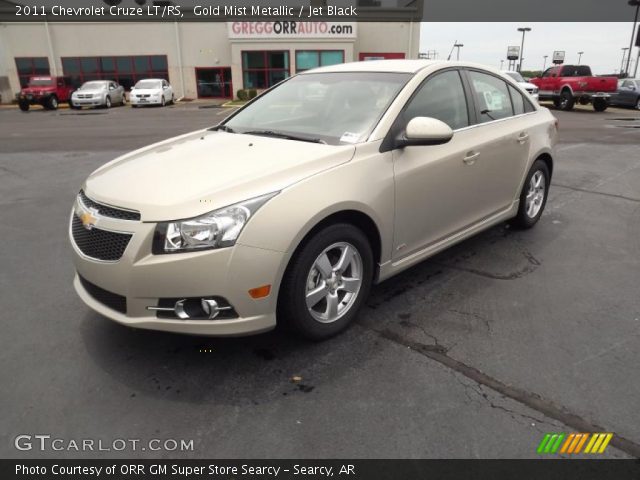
column 568, row 84
column 45, row 90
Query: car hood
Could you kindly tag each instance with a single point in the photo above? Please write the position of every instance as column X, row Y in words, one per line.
column 89, row 92
column 201, row 171
column 146, row 91
column 528, row 86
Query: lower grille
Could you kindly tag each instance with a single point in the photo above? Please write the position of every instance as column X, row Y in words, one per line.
column 99, row 244
column 108, row 299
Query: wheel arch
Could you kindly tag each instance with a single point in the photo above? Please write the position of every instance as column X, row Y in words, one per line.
column 548, row 159
column 358, row 219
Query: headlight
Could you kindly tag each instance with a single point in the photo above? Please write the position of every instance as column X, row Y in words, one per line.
column 216, row 229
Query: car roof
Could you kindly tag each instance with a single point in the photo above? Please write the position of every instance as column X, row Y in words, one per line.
column 392, row 66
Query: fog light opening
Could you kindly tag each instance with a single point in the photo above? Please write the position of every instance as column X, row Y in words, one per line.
column 205, row 308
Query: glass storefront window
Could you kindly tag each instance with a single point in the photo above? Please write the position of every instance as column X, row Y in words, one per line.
column 307, row 59
column 263, row 69
column 30, row 66
column 126, row 70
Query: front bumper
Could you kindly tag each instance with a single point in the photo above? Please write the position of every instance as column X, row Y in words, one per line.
column 143, row 279
column 33, row 99
column 88, row 102
column 145, row 101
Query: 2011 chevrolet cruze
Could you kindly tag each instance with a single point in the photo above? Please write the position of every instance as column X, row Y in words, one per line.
column 293, row 206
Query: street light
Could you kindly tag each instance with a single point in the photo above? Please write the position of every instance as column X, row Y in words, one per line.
column 580, row 57
column 633, row 3
column 458, row 46
column 544, row 67
column 524, row 30
column 624, row 52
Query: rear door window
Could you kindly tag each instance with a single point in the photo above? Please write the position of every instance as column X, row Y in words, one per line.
column 492, row 97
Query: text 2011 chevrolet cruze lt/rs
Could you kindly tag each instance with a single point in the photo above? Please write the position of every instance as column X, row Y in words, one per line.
column 291, row 208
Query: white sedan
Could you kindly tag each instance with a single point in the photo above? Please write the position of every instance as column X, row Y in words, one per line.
column 152, row 91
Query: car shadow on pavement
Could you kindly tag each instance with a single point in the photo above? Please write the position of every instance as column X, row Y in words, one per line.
column 264, row 368
column 195, row 369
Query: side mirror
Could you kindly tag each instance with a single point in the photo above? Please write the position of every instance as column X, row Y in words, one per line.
column 424, row 131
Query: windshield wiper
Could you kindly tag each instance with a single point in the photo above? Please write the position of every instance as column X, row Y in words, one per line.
column 487, row 112
column 286, row 136
column 222, row 128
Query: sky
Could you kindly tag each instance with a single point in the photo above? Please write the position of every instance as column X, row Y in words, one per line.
column 487, row 43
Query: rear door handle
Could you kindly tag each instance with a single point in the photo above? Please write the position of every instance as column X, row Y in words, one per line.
column 471, row 158
column 522, row 138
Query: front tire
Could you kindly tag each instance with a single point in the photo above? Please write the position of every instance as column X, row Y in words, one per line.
column 638, row 104
column 326, row 282
column 600, row 104
column 24, row 106
column 533, row 197
column 107, row 102
column 163, row 102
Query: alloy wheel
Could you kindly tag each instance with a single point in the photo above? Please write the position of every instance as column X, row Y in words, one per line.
column 535, row 194
column 334, row 282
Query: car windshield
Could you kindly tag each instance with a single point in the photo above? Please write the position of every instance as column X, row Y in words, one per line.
column 40, row 81
column 333, row 108
column 94, row 86
column 147, row 84
column 516, row 76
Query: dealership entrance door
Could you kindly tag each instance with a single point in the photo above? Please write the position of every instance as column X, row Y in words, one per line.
column 214, row 82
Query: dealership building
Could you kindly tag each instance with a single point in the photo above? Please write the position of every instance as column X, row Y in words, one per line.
column 200, row 59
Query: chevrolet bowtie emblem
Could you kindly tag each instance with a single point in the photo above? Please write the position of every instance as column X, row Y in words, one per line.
column 88, row 220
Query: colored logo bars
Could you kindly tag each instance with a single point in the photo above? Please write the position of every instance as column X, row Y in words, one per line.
column 573, row 443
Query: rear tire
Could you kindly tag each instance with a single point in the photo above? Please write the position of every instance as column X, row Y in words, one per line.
column 123, row 102
column 533, row 197
column 341, row 287
column 600, row 104
column 567, row 102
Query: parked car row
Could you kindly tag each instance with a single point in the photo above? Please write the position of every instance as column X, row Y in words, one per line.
column 49, row 91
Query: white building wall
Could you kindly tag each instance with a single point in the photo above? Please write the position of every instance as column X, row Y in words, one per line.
column 201, row 45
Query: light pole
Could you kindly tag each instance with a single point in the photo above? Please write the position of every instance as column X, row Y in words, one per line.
column 501, row 64
column 524, row 30
column 544, row 67
column 624, row 52
column 633, row 3
column 580, row 57
column 458, row 46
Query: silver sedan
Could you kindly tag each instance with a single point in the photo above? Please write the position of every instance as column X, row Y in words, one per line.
column 98, row 93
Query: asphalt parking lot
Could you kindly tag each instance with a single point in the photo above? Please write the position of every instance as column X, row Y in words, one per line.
column 477, row 352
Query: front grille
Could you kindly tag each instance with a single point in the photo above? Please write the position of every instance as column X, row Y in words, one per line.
column 85, row 95
column 111, row 300
column 107, row 211
column 99, row 244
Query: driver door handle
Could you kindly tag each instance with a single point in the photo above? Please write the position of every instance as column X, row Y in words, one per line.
column 522, row 138
column 471, row 158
